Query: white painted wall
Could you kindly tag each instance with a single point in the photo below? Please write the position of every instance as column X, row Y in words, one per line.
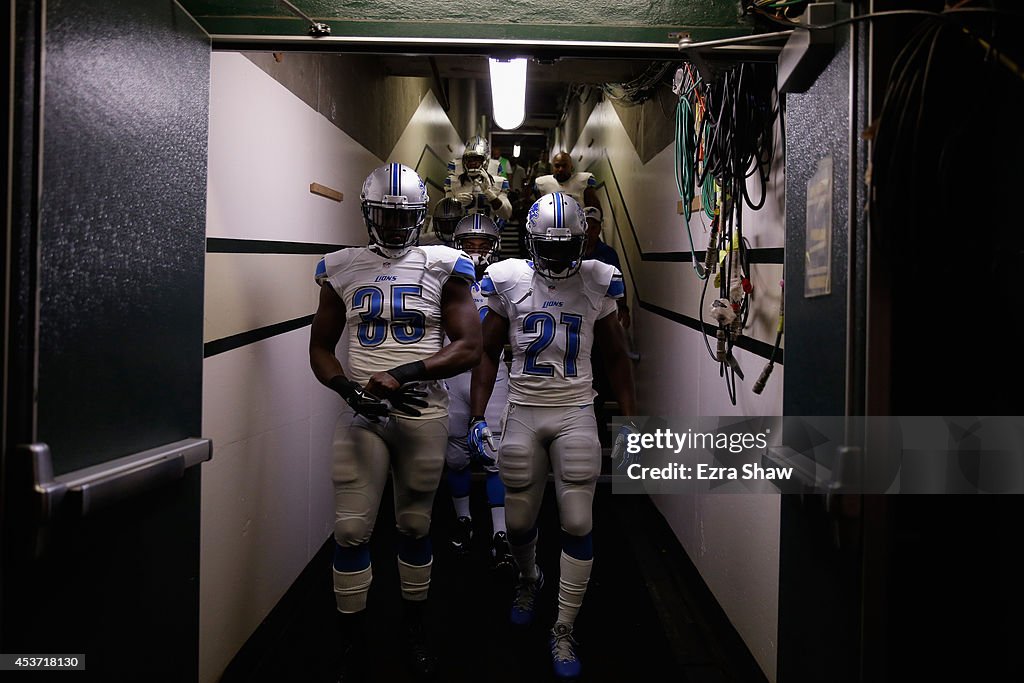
column 267, row 499
column 732, row 539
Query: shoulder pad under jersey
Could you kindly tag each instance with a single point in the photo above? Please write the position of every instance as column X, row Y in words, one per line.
column 450, row 262
column 601, row 280
column 335, row 262
column 545, row 184
column 503, row 277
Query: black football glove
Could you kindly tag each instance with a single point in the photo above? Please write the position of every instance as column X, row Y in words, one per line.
column 405, row 397
column 367, row 405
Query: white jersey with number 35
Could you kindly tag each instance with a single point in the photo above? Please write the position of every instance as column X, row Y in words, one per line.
column 551, row 327
column 393, row 308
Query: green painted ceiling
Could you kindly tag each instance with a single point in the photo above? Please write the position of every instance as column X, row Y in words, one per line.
column 621, row 21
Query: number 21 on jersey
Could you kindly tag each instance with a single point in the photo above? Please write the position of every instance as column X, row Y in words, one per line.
column 543, row 325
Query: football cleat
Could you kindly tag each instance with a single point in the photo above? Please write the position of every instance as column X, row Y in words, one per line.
column 421, row 657
column 462, row 535
column 351, row 663
column 422, row 660
column 501, row 558
column 563, row 652
column 524, row 602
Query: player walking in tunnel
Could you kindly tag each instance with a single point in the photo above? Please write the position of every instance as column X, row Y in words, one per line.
column 476, row 189
column 477, row 236
column 550, row 309
column 396, row 301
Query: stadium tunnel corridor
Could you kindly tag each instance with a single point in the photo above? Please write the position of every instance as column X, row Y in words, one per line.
column 178, row 169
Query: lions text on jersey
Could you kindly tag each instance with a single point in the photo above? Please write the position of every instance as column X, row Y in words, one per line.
column 393, row 308
column 551, row 327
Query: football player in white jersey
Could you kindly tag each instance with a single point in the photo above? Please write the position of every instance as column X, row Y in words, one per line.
column 395, row 302
column 477, row 236
column 474, row 187
column 550, row 309
column 580, row 186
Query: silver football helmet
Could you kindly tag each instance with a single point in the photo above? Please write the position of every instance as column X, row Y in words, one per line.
column 447, row 213
column 556, row 230
column 478, row 226
column 476, row 148
column 394, row 202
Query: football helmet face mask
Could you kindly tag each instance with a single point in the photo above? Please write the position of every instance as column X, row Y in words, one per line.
column 478, row 227
column 394, row 203
column 555, row 233
column 476, row 154
column 447, row 214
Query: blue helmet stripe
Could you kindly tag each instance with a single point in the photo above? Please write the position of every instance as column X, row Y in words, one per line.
column 557, row 199
column 396, row 180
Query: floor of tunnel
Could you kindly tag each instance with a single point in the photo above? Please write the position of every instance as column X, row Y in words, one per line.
column 636, row 623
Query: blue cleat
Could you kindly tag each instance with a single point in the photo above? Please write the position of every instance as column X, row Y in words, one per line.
column 525, row 599
column 563, row 652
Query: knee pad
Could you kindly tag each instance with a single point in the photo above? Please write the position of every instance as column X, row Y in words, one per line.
column 457, row 455
column 352, row 531
column 576, row 511
column 515, row 466
column 413, row 522
column 520, row 508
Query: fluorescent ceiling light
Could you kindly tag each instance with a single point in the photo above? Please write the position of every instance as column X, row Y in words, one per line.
column 508, row 92
column 516, row 149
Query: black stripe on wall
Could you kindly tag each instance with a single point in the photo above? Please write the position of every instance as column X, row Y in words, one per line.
column 765, row 255
column 223, row 245
column 754, row 346
column 235, row 341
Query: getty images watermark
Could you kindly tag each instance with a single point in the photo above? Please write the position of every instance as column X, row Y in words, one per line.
column 870, row 455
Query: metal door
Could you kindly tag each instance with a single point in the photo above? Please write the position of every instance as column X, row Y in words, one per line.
column 103, row 321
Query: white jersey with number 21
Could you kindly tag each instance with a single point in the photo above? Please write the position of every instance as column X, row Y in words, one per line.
column 551, row 327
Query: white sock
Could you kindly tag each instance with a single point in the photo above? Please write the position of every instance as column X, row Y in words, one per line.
column 351, row 588
column 498, row 519
column 526, row 558
column 462, row 507
column 415, row 580
column 572, row 584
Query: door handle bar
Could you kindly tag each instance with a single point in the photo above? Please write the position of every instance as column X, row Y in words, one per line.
column 92, row 488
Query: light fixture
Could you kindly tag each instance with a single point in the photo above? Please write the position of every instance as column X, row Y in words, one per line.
column 516, row 150
column 508, row 91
